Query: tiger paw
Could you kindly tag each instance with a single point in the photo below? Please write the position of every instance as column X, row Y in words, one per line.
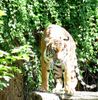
column 60, row 90
column 69, row 91
column 43, row 89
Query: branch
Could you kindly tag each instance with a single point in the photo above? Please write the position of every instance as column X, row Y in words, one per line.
column 79, row 95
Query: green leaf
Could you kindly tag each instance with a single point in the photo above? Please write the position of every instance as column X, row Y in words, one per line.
column 2, row 53
column 6, row 78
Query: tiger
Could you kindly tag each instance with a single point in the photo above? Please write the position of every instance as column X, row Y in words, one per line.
column 58, row 49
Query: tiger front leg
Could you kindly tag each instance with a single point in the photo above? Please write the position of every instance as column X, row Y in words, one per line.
column 59, row 85
column 58, row 78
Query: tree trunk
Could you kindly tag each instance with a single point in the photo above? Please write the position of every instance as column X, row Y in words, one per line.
column 14, row 91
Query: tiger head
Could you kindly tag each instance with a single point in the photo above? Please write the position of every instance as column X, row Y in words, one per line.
column 56, row 42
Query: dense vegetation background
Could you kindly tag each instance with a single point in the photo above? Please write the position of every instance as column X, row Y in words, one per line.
column 21, row 28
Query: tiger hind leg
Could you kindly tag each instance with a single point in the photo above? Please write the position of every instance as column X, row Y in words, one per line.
column 45, row 75
column 70, row 82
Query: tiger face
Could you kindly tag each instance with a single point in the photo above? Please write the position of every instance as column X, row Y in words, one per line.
column 58, row 48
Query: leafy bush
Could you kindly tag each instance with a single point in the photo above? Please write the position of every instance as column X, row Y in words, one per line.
column 25, row 21
column 18, row 61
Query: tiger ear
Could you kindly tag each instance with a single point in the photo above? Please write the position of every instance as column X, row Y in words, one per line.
column 47, row 32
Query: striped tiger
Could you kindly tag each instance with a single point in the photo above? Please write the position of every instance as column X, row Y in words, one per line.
column 58, row 50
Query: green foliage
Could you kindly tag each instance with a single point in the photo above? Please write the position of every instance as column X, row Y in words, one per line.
column 6, row 69
column 9, row 63
column 22, row 27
